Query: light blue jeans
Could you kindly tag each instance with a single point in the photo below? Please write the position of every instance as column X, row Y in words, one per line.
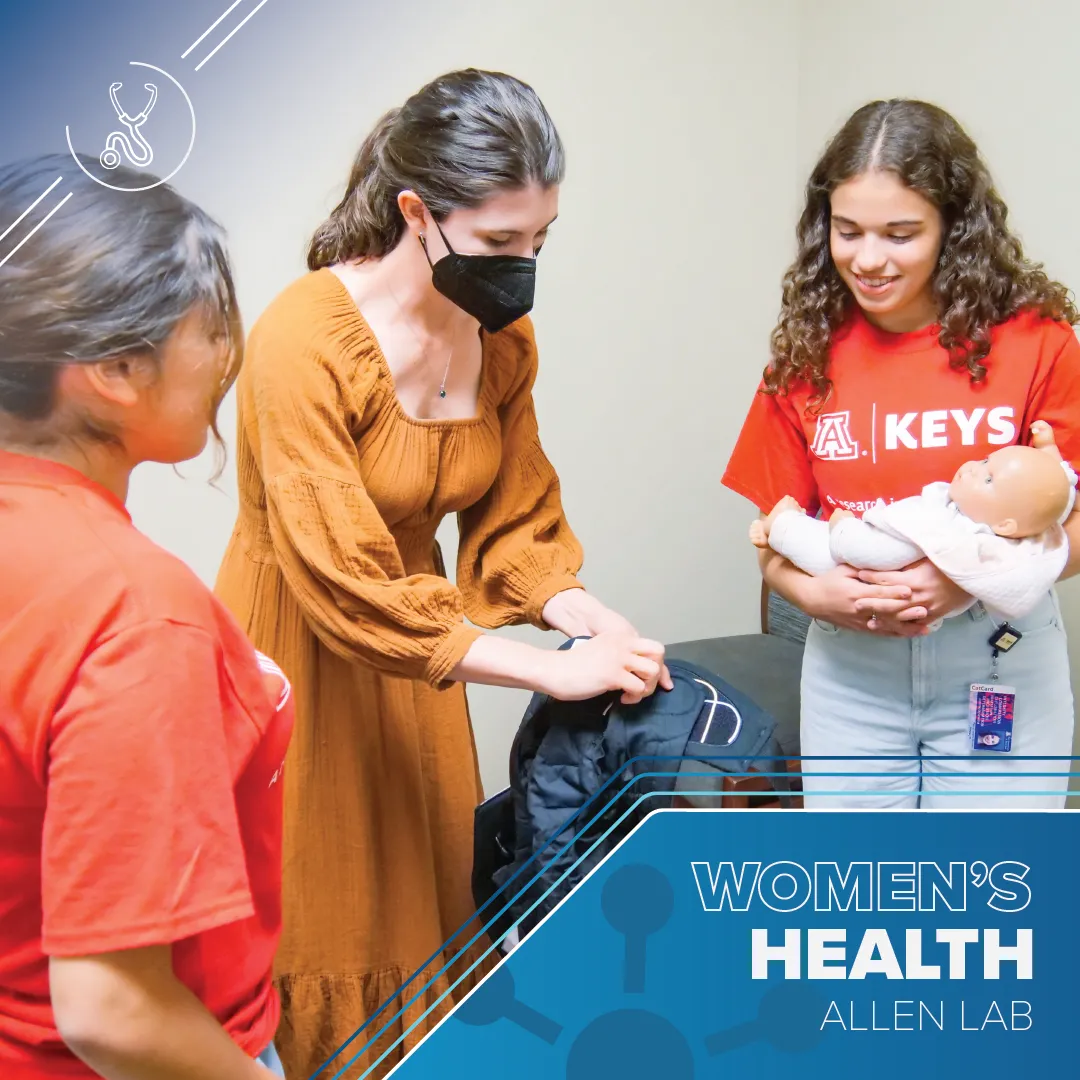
column 269, row 1058
column 870, row 695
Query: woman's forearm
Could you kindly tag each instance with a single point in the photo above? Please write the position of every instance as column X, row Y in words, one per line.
column 612, row 660
column 577, row 613
column 498, row 661
column 128, row 1017
column 786, row 579
column 1072, row 531
column 567, row 612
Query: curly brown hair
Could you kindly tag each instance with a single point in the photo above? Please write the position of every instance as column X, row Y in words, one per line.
column 982, row 276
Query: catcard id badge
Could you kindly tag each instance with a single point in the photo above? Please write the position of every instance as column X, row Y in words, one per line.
column 990, row 717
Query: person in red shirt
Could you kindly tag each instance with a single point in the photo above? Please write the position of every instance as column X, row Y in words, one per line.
column 914, row 335
column 141, row 735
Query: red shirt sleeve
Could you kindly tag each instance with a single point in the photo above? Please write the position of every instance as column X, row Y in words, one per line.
column 1057, row 401
column 141, row 843
column 771, row 458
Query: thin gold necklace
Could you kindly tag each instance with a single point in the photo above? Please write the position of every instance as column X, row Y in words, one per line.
column 405, row 319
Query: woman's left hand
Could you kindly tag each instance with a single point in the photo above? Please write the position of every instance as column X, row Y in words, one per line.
column 577, row 613
column 933, row 595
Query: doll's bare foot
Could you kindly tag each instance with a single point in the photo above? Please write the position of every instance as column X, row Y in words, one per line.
column 782, row 507
column 760, row 529
column 1042, row 434
column 838, row 516
column 1042, row 438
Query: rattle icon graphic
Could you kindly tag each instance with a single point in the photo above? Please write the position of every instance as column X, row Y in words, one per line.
column 637, row 1044
column 135, row 148
column 637, row 902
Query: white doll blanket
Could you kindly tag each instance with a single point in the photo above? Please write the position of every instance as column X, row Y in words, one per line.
column 1009, row 576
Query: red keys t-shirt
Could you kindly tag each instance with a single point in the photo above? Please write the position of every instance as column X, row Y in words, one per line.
column 141, row 748
column 900, row 418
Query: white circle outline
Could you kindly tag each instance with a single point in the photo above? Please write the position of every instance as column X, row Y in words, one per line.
column 183, row 160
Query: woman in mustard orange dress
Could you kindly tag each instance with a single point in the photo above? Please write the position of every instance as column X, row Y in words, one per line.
column 387, row 388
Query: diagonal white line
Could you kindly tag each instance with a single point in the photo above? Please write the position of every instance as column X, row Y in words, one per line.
column 235, row 3
column 229, row 35
column 37, row 226
column 30, row 207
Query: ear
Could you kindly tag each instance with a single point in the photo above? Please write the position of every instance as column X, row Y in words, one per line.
column 1008, row 527
column 120, row 381
column 415, row 213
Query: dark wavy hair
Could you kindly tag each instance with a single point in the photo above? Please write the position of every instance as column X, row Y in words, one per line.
column 982, row 276
column 457, row 141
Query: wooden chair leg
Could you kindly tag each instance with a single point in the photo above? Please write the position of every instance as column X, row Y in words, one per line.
column 733, row 799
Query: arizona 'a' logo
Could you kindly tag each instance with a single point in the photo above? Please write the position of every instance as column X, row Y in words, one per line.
column 833, row 440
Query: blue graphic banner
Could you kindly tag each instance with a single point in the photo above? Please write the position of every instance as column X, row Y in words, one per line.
column 754, row 943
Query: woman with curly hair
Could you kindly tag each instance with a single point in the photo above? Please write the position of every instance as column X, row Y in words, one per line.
column 913, row 336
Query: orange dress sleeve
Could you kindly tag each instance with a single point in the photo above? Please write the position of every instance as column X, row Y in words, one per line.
column 337, row 555
column 516, row 549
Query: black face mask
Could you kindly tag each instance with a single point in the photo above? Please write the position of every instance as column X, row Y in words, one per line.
column 496, row 290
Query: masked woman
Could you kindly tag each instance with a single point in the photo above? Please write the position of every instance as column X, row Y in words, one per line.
column 387, row 388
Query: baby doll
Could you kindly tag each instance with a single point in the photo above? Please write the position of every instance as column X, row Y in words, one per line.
column 995, row 529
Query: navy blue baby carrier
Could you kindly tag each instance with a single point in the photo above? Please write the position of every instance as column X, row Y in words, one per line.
column 584, row 774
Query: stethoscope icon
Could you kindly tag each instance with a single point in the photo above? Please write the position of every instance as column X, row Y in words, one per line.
column 134, row 147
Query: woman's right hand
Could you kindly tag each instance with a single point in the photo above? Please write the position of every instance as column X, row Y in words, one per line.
column 832, row 596
column 609, row 661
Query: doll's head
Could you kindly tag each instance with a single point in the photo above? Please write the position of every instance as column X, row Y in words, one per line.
column 1018, row 491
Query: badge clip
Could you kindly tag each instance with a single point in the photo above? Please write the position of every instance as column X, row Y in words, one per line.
column 1004, row 638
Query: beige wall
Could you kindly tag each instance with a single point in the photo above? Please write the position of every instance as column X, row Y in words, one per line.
column 1006, row 70
column 690, row 129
